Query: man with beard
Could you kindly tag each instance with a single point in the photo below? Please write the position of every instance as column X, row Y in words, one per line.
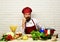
column 29, row 24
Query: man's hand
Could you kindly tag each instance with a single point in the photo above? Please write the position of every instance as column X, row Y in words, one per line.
column 23, row 22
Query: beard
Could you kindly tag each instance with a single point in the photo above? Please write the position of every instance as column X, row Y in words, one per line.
column 28, row 19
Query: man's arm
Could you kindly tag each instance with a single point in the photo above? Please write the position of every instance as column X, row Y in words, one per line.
column 23, row 23
column 38, row 26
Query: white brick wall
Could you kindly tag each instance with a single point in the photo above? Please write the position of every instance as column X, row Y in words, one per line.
column 47, row 11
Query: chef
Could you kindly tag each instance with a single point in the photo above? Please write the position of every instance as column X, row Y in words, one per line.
column 29, row 24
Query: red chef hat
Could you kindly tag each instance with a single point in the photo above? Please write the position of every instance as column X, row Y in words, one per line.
column 26, row 10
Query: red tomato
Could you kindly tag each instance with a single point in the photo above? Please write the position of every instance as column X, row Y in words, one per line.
column 9, row 37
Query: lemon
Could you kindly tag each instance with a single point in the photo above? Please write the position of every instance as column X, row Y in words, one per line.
column 25, row 37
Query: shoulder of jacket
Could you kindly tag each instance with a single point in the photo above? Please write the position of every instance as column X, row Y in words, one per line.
column 34, row 19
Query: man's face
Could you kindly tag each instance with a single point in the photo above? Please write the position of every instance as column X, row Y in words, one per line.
column 27, row 16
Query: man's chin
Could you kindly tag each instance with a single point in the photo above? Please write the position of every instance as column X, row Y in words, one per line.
column 28, row 19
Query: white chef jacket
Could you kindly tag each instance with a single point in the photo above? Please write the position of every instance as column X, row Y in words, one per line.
column 30, row 23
